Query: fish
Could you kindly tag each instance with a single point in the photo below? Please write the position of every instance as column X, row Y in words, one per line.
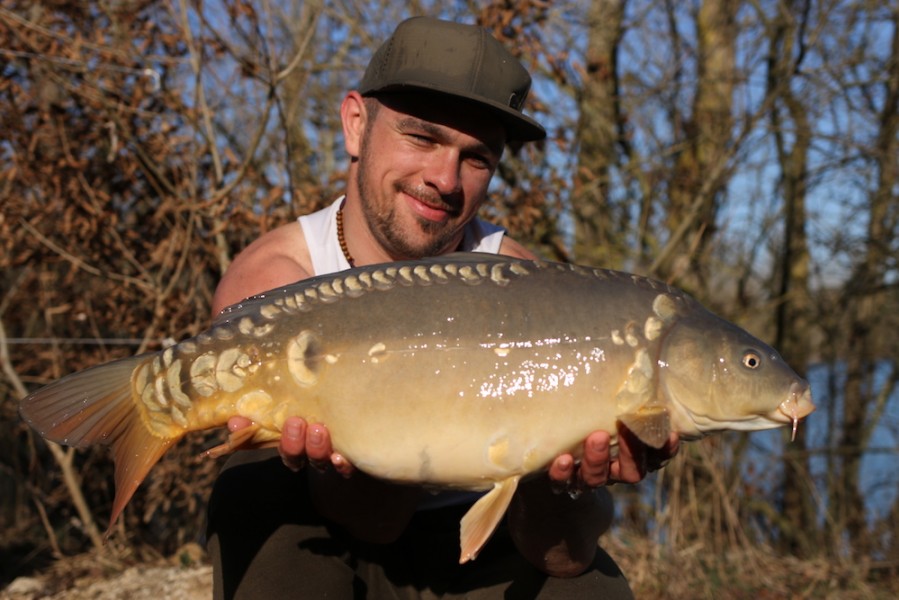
column 461, row 372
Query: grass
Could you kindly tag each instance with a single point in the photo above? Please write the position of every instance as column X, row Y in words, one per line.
column 755, row 573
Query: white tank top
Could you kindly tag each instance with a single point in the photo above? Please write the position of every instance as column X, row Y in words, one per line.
column 320, row 229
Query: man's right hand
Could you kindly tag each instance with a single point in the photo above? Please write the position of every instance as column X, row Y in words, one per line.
column 301, row 441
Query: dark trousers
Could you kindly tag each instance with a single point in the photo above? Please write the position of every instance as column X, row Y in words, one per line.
column 267, row 541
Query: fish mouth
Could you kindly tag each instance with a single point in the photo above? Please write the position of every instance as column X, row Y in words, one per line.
column 797, row 406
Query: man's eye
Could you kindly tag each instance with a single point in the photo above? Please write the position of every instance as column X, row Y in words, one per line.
column 481, row 162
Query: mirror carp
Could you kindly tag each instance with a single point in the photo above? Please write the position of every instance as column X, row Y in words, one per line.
column 467, row 372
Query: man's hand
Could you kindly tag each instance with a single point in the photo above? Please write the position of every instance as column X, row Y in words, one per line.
column 301, row 441
column 597, row 467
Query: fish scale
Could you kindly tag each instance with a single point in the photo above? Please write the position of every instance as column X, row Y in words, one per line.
column 468, row 371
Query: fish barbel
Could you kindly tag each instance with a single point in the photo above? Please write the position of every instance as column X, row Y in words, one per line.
column 468, row 371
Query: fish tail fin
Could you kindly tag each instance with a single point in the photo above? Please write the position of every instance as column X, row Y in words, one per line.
column 96, row 406
column 481, row 520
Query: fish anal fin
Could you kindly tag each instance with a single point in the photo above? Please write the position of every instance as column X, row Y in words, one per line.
column 651, row 424
column 481, row 519
column 246, row 438
column 134, row 453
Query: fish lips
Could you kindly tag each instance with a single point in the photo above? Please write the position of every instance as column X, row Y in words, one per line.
column 797, row 406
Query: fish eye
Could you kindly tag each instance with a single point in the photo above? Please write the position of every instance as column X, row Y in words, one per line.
column 752, row 360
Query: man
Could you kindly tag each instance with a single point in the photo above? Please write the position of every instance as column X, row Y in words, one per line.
column 424, row 132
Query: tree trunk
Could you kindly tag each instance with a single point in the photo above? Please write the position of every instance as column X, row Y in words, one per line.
column 598, row 232
column 702, row 157
column 790, row 122
column 865, row 305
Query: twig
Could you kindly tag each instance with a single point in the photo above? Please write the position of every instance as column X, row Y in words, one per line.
column 8, row 370
column 300, row 53
column 200, row 94
column 45, row 521
column 78, row 262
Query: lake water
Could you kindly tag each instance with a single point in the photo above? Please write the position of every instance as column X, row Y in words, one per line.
column 879, row 475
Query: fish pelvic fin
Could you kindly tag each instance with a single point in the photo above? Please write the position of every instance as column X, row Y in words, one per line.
column 651, row 424
column 96, row 407
column 481, row 520
column 247, row 438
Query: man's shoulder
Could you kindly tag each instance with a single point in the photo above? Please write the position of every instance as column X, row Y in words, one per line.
column 278, row 257
column 510, row 247
column 286, row 243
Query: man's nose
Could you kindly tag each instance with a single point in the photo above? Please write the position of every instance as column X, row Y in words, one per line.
column 442, row 171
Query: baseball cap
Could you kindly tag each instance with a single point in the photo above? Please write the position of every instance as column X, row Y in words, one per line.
column 455, row 59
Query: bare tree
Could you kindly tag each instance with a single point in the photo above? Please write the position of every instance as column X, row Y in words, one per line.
column 600, row 226
column 864, row 300
column 702, row 154
column 792, row 134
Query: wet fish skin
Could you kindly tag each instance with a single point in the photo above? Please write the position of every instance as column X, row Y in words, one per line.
column 464, row 371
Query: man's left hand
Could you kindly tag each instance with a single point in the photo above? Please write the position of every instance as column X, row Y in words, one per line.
column 597, row 466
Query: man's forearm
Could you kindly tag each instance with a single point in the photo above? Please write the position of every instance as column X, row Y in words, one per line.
column 555, row 532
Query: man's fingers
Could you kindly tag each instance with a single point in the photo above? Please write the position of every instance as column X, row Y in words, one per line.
column 301, row 441
column 595, row 465
column 293, row 443
column 562, row 469
column 341, row 465
column 635, row 459
column 318, row 446
column 631, row 464
column 593, row 470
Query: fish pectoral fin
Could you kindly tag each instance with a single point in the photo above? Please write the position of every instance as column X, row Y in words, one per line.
column 481, row 519
column 242, row 439
column 651, row 424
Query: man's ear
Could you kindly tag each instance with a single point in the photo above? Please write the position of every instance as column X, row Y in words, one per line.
column 353, row 116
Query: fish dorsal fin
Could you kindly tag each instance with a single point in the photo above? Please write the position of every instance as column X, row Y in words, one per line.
column 249, row 307
column 481, row 519
column 650, row 423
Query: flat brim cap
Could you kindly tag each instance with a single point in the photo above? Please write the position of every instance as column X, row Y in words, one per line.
column 455, row 59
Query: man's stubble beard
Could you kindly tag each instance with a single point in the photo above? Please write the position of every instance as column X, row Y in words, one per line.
column 383, row 221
